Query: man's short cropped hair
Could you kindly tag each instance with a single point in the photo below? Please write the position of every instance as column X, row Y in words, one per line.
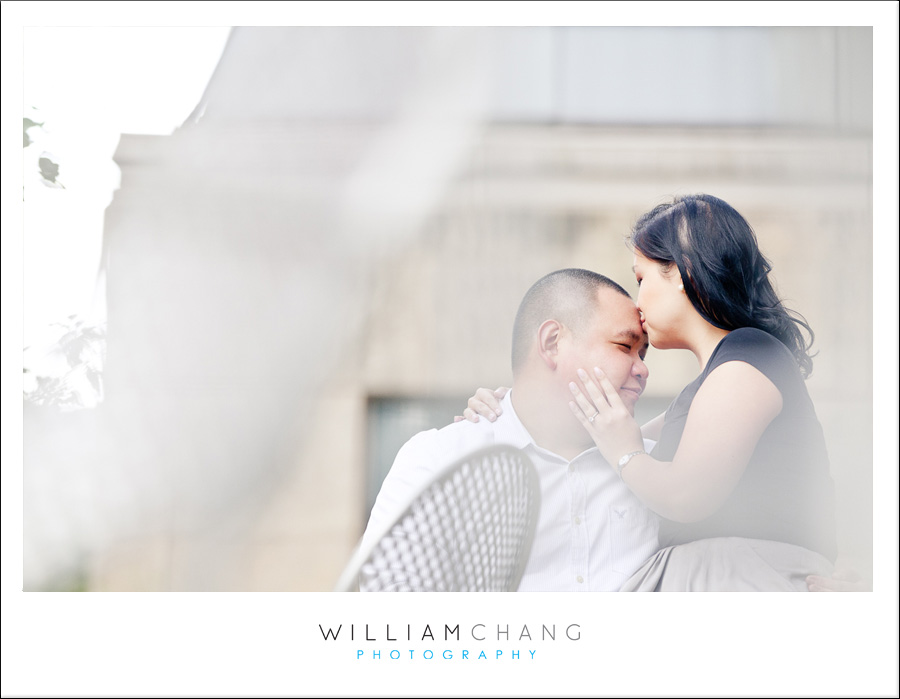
column 567, row 295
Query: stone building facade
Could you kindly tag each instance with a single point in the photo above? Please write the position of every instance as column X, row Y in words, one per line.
column 329, row 255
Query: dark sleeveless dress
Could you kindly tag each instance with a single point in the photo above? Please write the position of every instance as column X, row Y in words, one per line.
column 777, row 526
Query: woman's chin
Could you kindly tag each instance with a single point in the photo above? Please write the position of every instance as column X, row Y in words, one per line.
column 658, row 341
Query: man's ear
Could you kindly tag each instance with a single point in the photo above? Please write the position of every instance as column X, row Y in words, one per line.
column 548, row 342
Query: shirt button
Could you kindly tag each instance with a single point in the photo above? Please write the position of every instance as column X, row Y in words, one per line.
column 578, row 520
column 580, row 579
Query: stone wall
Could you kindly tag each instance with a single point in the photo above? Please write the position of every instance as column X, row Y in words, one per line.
column 256, row 334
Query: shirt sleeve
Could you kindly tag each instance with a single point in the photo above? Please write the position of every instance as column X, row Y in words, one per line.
column 414, row 464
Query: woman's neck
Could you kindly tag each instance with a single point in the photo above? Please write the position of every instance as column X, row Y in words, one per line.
column 705, row 342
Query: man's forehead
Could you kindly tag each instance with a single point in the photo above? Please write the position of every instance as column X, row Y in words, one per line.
column 620, row 316
column 611, row 298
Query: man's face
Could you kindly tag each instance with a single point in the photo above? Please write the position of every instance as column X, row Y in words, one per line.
column 614, row 342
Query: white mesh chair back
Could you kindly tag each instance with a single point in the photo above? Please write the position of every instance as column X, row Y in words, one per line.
column 469, row 529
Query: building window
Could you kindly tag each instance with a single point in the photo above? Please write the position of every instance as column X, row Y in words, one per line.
column 391, row 422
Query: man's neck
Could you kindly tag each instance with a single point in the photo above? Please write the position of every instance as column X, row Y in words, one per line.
column 549, row 420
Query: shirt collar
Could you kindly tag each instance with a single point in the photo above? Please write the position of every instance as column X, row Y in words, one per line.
column 508, row 429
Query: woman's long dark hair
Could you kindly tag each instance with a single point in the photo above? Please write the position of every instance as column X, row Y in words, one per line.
column 726, row 277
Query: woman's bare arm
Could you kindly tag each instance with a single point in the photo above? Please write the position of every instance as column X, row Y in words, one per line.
column 727, row 417
column 652, row 429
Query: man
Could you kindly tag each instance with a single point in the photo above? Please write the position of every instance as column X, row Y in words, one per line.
column 592, row 532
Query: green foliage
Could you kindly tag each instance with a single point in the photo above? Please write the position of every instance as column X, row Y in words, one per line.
column 48, row 170
column 72, row 580
column 83, row 347
column 27, row 124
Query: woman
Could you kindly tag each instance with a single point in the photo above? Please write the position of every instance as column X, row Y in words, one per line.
column 739, row 474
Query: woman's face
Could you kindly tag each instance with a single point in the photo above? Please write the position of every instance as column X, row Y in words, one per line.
column 662, row 302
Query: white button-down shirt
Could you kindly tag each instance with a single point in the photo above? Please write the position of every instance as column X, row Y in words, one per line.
column 592, row 532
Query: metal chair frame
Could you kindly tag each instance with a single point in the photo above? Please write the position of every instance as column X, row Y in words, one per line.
column 469, row 528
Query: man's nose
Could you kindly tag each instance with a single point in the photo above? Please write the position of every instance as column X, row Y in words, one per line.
column 640, row 370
